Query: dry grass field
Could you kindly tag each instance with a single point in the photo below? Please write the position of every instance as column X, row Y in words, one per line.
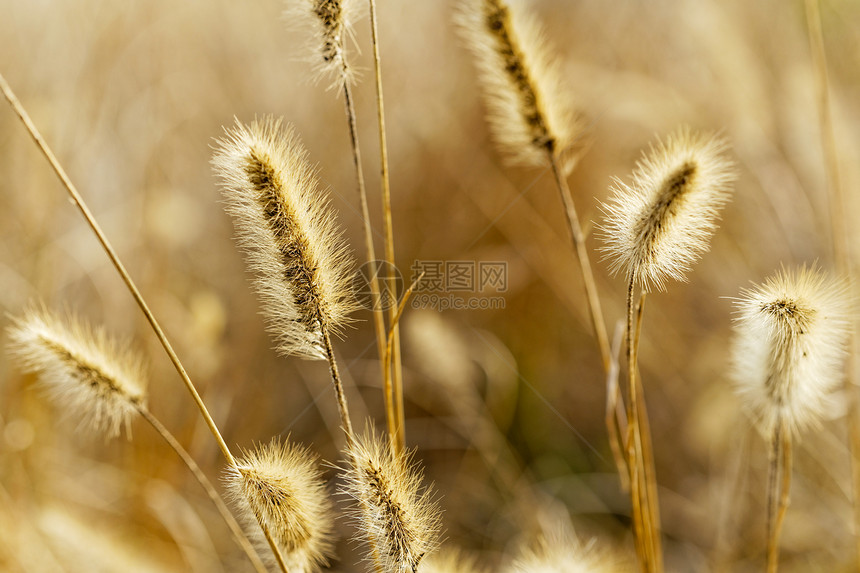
column 504, row 403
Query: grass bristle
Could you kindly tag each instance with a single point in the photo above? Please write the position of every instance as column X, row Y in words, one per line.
column 279, row 485
column 85, row 372
column 289, row 233
column 527, row 107
column 790, row 344
column 396, row 513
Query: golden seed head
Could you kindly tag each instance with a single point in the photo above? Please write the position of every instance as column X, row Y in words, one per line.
column 280, row 486
column 563, row 552
column 451, row 561
column 289, row 234
column 661, row 223
column 527, row 108
column 396, row 513
column 789, row 347
column 87, row 373
column 331, row 22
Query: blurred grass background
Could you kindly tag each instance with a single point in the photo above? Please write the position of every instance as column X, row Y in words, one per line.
column 505, row 406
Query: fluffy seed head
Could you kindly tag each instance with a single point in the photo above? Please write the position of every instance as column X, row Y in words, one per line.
column 661, row 223
column 789, row 347
column 280, row 486
column 526, row 105
column 288, row 232
column 451, row 561
column 331, row 22
column 566, row 554
column 85, row 372
column 396, row 513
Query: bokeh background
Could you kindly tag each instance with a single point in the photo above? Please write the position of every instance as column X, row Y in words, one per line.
column 504, row 406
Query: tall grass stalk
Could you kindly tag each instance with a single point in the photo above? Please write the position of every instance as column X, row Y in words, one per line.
column 207, row 486
column 655, row 228
column 839, row 235
column 91, row 376
column 332, row 20
column 393, row 355
column 788, row 357
column 126, row 278
column 115, row 260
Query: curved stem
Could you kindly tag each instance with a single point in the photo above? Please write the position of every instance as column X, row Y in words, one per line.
column 207, row 486
column 376, row 302
column 114, row 258
column 578, row 239
column 342, row 406
column 399, row 436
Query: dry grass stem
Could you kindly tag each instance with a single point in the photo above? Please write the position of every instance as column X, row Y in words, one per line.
column 616, row 424
column 102, row 238
column 391, row 288
column 779, row 486
column 101, row 382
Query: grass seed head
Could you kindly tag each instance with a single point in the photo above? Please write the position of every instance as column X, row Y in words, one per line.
column 565, row 553
column 661, row 223
column 85, row 372
column 331, row 22
column 279, row 485
column 527, row 106
column 789, row 347
column 396, row 513
column 289, row 234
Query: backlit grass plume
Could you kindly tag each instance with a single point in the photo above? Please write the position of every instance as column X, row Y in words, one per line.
column 660, row 224
column 279, row 485
column 451, row 561
column 330, row 22
column 289, row 233
column 566, row 554
column 790, row 344
column 526, row 105
column 88, row 374
column 396, row 513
